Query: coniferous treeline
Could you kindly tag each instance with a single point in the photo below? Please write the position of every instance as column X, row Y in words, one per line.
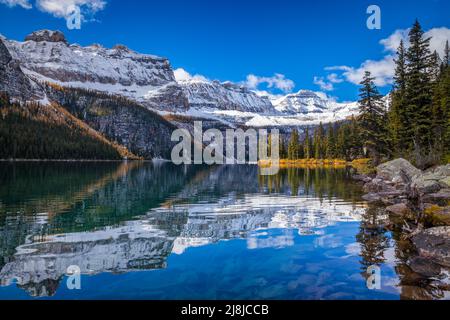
column 418, row 126
column 333, row 141
column 415, row 125
column 32, row 131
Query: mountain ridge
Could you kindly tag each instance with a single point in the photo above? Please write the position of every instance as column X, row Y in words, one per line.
column 47, row 56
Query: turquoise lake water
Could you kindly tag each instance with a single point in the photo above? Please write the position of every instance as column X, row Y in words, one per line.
column 158, row 231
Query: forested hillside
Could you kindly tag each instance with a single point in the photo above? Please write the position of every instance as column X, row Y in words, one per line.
column 119, row 119
column 34, row 131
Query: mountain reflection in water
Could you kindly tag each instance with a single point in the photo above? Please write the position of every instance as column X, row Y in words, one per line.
column 157, row 231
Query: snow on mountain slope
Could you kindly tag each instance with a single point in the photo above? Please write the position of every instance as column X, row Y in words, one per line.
column 303, row 102
column 304, row 108
column 204, row 94
column 148, row 79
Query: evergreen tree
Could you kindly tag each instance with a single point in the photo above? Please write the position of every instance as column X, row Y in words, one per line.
column 398, row 117
column 331, row 143
column 319, row 134
column 446, row 60
column 342, row 144
column 293, row 148
column 307, row 144
column 283, row 153
column 372, row 118
column 438, row 112
column 418, row 94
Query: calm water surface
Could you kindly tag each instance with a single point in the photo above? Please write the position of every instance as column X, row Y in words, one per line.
column 157, row 231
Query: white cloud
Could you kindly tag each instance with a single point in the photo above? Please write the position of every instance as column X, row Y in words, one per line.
column 438, row 38
column 60, row 8
column 183, row 75
column 337, row 68
column 392, row 42
column 383, row 70
column 278, row 81
column 327, row 86
column 334, row 78
column 22, row 3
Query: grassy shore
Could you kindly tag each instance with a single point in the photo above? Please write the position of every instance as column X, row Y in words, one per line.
column 317, row 163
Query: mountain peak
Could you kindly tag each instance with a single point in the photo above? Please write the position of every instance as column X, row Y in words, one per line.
column 305, row 94
column 46, row 35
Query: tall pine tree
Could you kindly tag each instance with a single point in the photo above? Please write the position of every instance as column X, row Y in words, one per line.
column 398, row 115
column 372, row 118
column 418, row 94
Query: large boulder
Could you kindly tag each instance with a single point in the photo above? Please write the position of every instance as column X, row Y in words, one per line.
column 443, row 196
column 426, row 184
column 400, row 209
column 433, row 180
column 445, row 182
column 392, row 170
column 424, row 267
column 434, row 244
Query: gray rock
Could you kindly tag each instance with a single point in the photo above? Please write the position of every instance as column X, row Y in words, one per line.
column 13, row 80
column 433, row 180
column 440, row 172
column 426, row 184
column 445, row 183
column 424, row 267
column 443, row 194
column 46, row 35
column 378, row 185
column 391, row 170
column 434, row 244
column 372, row 197
column 399, row 209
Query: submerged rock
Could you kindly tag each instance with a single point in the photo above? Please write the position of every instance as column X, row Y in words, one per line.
column 371, row 197
column 434, row 243
column 361, row 177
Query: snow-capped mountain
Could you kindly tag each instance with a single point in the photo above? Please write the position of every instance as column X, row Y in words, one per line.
column 304, row 108
column 303, row 102
column 46, row 56
column 203, row 94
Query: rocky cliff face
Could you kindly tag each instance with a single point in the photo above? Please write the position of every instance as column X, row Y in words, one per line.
column 224, row 96
column 13, row 80
column 46, row 56
column 47, row 69
column 148, row 79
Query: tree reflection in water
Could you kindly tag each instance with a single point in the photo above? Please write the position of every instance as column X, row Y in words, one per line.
column 128, row 217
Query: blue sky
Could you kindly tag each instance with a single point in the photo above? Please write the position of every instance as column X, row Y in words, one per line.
column 302, row 41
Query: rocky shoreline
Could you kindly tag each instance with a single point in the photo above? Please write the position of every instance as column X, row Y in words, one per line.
column 418, row 203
